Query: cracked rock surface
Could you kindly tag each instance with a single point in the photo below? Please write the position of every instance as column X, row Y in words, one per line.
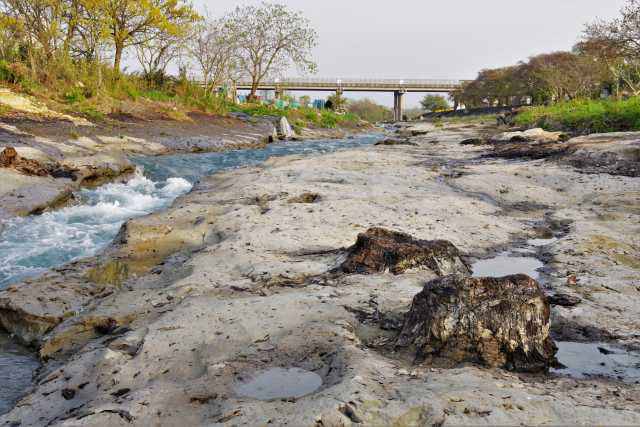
column 225, row 297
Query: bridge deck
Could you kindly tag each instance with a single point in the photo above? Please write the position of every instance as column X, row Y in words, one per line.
column 362, row 85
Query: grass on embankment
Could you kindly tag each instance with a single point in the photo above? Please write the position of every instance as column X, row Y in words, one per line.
column 301, row 117
column 584, row 116
column 94, row 91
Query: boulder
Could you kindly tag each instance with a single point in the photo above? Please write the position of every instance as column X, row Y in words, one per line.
column 284, row 129
column 531, row 135
column 379, row 250
column 496, row 322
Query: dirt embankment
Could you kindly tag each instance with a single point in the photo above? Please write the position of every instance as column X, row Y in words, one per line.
column 248, row 273
column 93, row 153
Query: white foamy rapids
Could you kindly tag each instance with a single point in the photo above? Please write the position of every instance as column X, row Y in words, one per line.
column 31, row 245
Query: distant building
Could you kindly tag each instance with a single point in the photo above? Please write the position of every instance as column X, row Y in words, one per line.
column 319, row 104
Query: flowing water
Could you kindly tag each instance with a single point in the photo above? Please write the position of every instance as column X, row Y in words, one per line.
column 32, row 245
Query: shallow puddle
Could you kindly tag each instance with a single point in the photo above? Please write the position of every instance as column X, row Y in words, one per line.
column 279, row 383
column 506, row 265
column 587, row 360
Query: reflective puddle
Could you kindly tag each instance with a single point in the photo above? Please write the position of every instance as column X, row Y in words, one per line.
column 588, row 360
column 279, row 383
column 506, row 265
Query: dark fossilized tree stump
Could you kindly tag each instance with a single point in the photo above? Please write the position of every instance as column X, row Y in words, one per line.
column 380, row 250
column 497, row 322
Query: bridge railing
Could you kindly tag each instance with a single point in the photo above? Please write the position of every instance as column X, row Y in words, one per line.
column 351, row 82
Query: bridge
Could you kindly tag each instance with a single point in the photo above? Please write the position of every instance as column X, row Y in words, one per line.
column 398, row 86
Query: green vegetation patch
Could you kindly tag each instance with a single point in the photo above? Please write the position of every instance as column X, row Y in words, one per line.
column 585, row 116
column 300, row 117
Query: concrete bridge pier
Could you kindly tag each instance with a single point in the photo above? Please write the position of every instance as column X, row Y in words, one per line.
column 398, row 105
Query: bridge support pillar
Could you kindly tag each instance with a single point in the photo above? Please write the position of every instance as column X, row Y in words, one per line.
column 398, row 105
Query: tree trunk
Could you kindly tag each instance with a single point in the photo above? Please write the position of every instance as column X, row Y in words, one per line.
column 118, row 58
column 254, row 91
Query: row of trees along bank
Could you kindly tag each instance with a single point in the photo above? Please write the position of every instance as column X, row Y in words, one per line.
column 606, row 60
column 77, row 48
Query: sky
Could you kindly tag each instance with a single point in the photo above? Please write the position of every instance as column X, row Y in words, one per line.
column 434, row 39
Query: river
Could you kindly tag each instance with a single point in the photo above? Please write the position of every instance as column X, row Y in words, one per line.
column 31, row 245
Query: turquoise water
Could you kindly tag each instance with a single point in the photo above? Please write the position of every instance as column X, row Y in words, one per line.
column 194, row 166
column 29, row 246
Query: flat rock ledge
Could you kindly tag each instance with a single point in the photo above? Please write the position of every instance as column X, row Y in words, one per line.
column 496, row 322
column 379, row 250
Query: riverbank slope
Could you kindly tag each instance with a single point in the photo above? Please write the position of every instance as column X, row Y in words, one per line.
column 69, row 152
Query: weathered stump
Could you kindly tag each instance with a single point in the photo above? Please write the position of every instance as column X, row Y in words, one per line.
column 379, row 250
column 496, row 322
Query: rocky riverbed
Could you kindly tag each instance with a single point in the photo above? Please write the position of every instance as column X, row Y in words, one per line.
column 271, row 294
column 53, row 155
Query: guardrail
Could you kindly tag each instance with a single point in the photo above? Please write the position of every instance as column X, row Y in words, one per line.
column 347, row 83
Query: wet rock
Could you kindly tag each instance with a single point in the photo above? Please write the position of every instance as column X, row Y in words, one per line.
column 615, row 153
column 379, row 250
column 113, row 273
column 68, row 393
column 395, row 141
column 497, row 322
column 473, row 141
column 305, row 198
column 564, row 300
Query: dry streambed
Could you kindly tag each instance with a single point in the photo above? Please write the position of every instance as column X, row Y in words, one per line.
column 257, row 298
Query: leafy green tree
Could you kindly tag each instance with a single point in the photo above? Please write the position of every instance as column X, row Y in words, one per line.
column 369, row 110
column 434, row 103
column 135, row 22
column 336, row 102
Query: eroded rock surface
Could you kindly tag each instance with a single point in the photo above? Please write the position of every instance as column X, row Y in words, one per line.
column 498, row 322
column 536, row 134
column 379, row 250
column 190, row 326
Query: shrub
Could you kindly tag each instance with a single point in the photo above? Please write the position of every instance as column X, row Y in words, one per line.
column 74, row 96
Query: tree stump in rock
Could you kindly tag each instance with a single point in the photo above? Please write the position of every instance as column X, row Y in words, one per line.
column 8, row 156
column 496, row 322
column 379, row 250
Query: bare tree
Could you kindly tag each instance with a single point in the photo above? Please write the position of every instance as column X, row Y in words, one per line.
column 159, row 51
column 269, row 39
column 212, row 47
column 617, row 44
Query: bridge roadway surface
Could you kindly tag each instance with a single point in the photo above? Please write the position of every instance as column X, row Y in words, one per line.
column 398, row 86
